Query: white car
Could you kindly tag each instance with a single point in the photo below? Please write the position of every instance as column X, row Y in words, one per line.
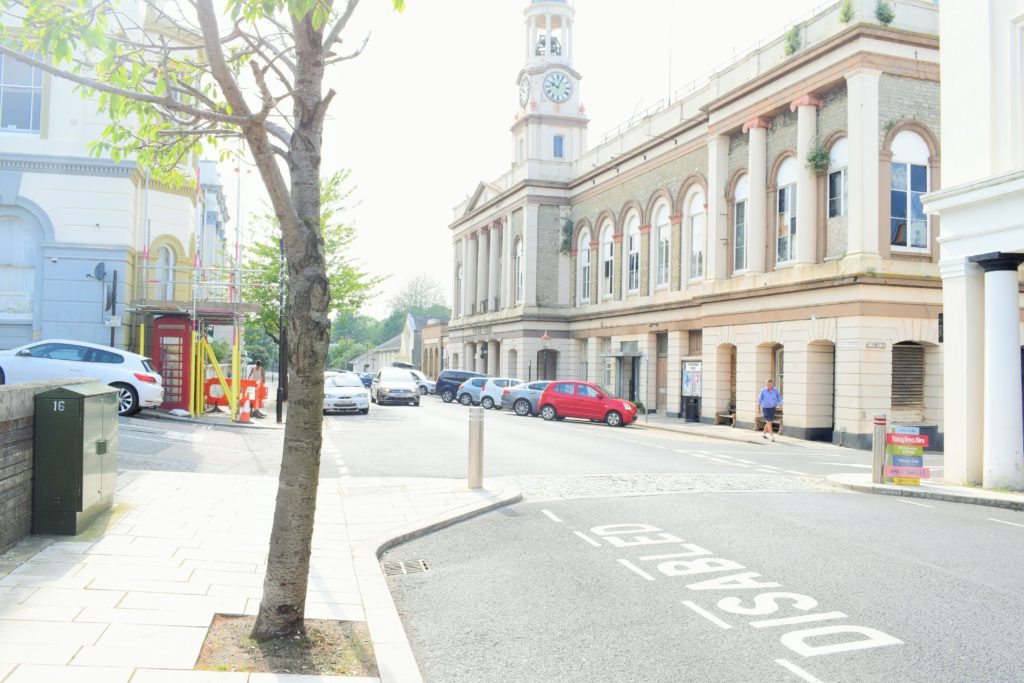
column 345, row 391
column 426, row 385
column 137, row 382
column 395, row 385
column 490, row 396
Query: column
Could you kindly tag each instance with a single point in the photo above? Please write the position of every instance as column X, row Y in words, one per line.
column 619, row 266
column 469, row 272
column 806, row 108
column 468, row 357
column 505, row 268
column 530, row 246
column 675, row 259
column 862, row 170
column 963, row 305
column 757, row 209
column 492, row 268
column 483, row 273
column 1003, row 453
column 456, row 294
column 463, row 299
column 493, row 358
column 595, row 272
column 717, row 233
column 645, row 259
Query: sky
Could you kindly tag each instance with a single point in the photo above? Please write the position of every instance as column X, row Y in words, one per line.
column 423, row 114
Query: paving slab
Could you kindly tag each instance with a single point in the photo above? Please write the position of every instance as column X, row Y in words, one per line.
column 36, row 673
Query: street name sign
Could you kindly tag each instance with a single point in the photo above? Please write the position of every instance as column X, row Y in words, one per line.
column 907, row 440
column 907, row 472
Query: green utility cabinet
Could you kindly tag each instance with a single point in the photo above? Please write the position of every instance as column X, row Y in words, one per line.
column 75, row 452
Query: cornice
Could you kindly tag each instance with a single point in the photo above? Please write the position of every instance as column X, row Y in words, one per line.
column 38, row 163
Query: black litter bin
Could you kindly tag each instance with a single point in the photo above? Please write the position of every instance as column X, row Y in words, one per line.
column 691, row 408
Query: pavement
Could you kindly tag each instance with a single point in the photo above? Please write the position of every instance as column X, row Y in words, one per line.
column 132, row 598
column 934, row 490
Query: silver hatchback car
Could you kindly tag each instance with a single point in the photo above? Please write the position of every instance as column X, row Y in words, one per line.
column 523, row 399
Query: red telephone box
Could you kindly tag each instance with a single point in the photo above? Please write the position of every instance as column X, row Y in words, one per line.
column 172, row 353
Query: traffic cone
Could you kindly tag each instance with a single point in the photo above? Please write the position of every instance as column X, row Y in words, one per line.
column 244, row 416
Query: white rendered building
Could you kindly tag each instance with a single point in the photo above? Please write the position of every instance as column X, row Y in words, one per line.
column 981, row 203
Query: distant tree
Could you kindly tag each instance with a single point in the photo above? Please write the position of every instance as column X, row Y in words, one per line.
column 422, row 291
column 259, row 346
column 350, row 286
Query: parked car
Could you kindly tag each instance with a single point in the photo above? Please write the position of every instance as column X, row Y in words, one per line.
column 490, row 397
column 345, row 392
column 426, row 384
column 586, row 400
column 138, row 383
column 367, row 379
column 447, row 385
column 524, row 398
column 469, row 392
column 395, row 385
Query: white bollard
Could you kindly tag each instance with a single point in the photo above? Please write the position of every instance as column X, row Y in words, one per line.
column 476, row 448
column 878, row 449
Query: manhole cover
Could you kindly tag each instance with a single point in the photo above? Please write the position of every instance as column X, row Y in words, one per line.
column 396, row 567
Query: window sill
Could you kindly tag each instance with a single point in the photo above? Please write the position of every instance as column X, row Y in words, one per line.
column 910, row 251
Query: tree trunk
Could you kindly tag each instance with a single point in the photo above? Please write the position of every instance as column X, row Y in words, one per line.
column 308, row 331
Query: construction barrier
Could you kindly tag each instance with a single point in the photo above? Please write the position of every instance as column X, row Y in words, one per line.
column 250, row 389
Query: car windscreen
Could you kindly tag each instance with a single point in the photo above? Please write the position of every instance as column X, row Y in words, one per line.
column 343, row 381
column 396, row 376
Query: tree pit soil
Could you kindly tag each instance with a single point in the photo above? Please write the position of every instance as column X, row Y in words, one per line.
column 329, row 648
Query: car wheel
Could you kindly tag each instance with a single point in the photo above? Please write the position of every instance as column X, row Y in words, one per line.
column 364, row 411
column 127, row 399
column 3, row 379
column 548, row 412
column 466, row 400
column 447, row 395
column 373, row 398
column 417, row 404
column 423, row 391
column 522, row 407
column 613, row 418
column 487, row 402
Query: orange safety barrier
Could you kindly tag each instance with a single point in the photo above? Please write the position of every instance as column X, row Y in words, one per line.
column 249, row 388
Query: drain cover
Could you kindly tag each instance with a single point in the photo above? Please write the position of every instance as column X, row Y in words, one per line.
column 397, row 567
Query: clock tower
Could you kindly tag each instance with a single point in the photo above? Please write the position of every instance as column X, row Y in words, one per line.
column 550, row 121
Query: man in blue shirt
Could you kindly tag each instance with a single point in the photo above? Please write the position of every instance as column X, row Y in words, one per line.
column 769, row 400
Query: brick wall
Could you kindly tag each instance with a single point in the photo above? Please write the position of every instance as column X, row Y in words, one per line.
column 549, row 241
column 17, row 406
column 903, row 99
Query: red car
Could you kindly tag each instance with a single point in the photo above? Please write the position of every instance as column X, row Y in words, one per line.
column 586, row 400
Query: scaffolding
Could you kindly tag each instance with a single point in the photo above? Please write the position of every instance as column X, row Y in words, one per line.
column 215, row 299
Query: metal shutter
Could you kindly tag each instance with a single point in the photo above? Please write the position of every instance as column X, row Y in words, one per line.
column 908, row 382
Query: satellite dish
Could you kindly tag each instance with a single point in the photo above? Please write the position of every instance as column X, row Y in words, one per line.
column 100, row 271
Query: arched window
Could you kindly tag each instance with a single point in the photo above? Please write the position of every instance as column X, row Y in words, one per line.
column 838, row 156
column 663, row 242
column 607, row 262
column 583, row 268
column 633, row 254
column 165, row 273
column 785, row 223
column 739, row 225
column 697, row 219
column 17, row 269
column 518, row 270
column 908, row 223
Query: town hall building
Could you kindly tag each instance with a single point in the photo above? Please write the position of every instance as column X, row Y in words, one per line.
column 766, row 224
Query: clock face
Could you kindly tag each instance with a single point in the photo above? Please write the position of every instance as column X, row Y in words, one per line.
column 524, row 91
column 557, row 86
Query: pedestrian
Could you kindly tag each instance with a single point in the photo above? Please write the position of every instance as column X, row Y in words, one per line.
column 769, row 401
column 259, row 374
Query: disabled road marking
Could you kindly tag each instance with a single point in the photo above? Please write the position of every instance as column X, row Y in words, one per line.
column 633, row 567
column 588, row 539
column 550, row 515
column 1003, row 521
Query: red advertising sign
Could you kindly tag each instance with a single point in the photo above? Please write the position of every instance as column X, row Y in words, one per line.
column 906, row 440
column 908, row 472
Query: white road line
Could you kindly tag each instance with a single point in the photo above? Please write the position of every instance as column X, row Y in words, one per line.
column 1003, row 521
column 707, row 615
column 588, row 539
column 725, row 457
column 695, row 455
column 766, row 471
column 771, row 467
column 802, row 474
column 746, row 462
column 910, row 502
column 786, row 664
column 550, row 515
column 633, row 567
column 802, row 619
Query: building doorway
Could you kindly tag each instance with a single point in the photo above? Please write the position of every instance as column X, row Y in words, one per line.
column 661, row 375
column 547, row 364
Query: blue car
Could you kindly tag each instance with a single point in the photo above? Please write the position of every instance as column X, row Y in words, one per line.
column 469, row 391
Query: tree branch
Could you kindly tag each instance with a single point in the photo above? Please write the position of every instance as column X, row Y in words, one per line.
column 335, row 33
